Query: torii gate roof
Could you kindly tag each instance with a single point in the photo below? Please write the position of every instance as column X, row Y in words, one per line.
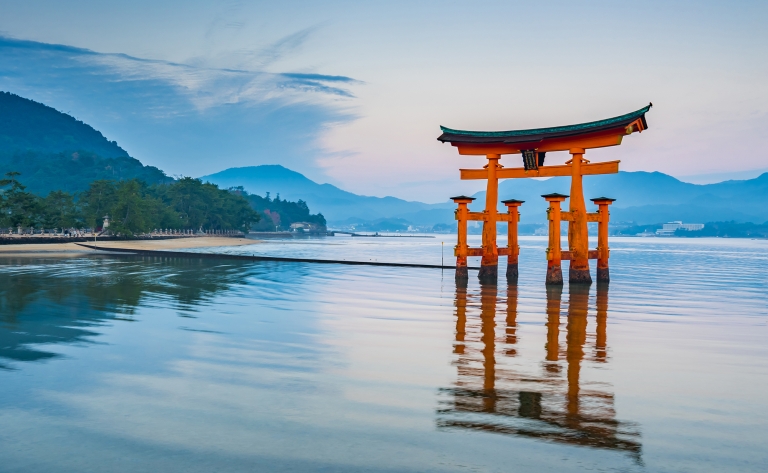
column 595, row 134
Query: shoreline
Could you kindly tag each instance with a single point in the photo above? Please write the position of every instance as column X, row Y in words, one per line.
column 72, row 249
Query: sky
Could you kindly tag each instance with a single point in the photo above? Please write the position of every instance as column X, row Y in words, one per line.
column 353, row 92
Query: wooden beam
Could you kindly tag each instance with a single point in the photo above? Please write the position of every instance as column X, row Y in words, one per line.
column 586, row 143
column 608, row 167
column 591, row 217
column 600, row 139
column 474, row 173
column 566, row 255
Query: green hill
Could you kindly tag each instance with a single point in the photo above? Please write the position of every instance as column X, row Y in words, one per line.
column 55, row 151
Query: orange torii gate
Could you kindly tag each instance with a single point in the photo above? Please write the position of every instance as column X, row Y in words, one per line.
column 533, row 145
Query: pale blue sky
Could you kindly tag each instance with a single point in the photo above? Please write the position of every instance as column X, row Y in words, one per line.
column 353, row 92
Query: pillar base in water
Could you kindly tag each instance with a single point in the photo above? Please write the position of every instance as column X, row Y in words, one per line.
column 603, row 275
column 488, row 273
column 512, row 273
column 461, row 273
column 579, row 276
column 555, row 275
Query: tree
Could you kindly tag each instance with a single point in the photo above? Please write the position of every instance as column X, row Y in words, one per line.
column 280, row 212
column 98, row 201
column 133, row 206
column 19, row 207
column 60, row 211
column 135, row 210
column 204, row 205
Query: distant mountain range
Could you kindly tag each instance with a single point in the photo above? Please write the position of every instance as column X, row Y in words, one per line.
column 642, row 197
column 54, row 151
column 335, row 204
column 650, row 197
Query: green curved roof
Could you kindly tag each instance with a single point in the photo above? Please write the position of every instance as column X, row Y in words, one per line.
column 451, row 135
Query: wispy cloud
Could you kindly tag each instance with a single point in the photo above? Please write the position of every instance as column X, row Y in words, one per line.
column 285, row 45
column 205, row 86
column 156, row 105
column 255, row 58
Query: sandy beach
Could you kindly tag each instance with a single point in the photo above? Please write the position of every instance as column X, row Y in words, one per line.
column 75, row 250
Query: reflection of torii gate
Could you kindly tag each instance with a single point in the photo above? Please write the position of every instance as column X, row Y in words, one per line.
column 490, row 395
column 533, row 145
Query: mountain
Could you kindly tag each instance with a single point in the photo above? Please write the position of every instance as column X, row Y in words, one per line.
column 648, row 197
column 55, row 151
column 26, row 125
column 335, row 204
column 642, row 197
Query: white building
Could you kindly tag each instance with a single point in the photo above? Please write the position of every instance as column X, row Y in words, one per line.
column 668, row 229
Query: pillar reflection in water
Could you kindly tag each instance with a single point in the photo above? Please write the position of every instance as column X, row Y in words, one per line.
column 488, row 294
column 460, row 303
column 576, row 337
column 511, row 322
column 601, row 338
column 554, row 296
column 553, row 404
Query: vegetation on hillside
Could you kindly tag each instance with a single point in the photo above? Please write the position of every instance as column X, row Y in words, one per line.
column 632, row 229
column 74, row 172
column 279, row 214
column 55, row 151
column 133, row 206
column 728, row 230
column 26, row 125
column 711, row 229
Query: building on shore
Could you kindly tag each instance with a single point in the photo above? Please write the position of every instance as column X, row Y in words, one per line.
column 669, row 229
column 307, row 227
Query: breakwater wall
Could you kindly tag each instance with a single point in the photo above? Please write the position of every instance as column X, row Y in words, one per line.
column 196, row 255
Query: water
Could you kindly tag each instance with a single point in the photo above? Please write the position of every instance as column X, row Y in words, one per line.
column 143, row 364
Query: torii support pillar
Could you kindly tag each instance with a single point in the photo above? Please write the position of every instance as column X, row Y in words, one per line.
column 554, row 254
column 489, row 265
column 513, row 248
column 603, row 274
column 462, row 249
column 578, row 236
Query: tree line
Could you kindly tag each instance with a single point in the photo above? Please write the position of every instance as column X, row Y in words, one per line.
column 133, row 207
column 279, row 213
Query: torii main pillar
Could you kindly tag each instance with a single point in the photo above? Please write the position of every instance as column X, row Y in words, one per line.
column 489, row 264
column 578, row 235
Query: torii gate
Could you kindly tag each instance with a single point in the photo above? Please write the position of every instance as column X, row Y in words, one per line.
column 533, row 145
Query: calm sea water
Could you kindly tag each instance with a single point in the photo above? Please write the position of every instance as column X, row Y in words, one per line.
column 142, row 364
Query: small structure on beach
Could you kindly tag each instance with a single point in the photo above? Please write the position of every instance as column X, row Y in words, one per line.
column 533, row 145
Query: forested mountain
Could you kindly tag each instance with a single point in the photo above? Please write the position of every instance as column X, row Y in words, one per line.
column 336, row 204
column 55, row 151
column 26, row 125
